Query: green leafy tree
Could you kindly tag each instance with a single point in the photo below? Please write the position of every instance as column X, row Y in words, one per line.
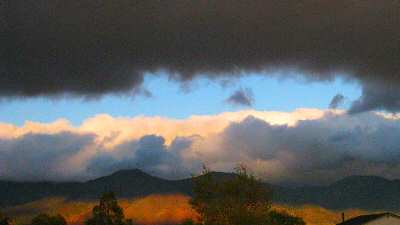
column 282, row 218
column 240, row 200
column 4, row 220
column 44, row 219
column 108, row 212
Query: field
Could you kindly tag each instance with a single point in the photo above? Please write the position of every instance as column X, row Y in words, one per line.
column 159, row 209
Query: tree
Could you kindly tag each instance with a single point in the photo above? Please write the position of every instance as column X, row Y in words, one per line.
column 189, row 222
column 44, row 219
column 4, row 220
column 108, row 212
column 282, row 218
column 240, row 200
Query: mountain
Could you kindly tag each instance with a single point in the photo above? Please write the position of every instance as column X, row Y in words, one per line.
column 364, row 192
column 127, row 184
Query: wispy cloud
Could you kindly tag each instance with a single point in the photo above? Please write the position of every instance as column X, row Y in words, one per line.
column 241, row 97
column 336, row 101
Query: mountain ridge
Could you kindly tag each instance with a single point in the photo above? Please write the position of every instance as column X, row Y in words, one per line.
column 363, row 192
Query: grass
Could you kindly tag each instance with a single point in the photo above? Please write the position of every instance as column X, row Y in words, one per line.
column 316, row 215
column 159, row 209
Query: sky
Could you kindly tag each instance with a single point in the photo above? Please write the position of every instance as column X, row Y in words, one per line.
column 298, row 91
column 171, row 99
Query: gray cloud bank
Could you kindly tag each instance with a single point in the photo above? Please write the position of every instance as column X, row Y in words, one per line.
column 313, row 151
column 149, row 153
column 93, row 47
column 40, row 156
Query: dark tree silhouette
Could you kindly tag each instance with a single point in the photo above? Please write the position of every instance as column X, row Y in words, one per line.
column 189, row 222
column 4, row 220
column 282, row 218
column 44, row 219
column 240, row 200
column 108, row 212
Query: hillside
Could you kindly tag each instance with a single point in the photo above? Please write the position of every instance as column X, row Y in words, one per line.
column 363, row 192
column 159, row 209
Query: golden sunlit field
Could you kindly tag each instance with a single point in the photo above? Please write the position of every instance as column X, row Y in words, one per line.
column 160, row 209
column 153, row 209
column 316, row 215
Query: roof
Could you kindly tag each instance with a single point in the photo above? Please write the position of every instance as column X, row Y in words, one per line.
column 366, row 218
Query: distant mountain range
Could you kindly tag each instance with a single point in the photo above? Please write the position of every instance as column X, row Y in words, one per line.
column 363, row 192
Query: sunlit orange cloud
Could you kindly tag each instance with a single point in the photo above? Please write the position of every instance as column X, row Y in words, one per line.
column 120, row 129
column 30, row 127
column 389, row 116
column 111, row 131
column 210, row 143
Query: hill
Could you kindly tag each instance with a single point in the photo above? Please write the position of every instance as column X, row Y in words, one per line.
column 158, row 209
column 363, row 192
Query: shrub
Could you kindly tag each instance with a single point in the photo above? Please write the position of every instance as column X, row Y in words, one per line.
column 108, row 212
column 44, row 219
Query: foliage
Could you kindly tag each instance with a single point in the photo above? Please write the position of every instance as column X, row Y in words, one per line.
column 44, row 219
column 161, row 209
column 108, row 212
column 4, row 220
column 189, row 222
column 239, row 200
column 282, row 218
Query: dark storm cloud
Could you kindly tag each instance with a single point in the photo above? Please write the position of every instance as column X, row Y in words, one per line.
column 92, row 47
column 336, row 101
column 242, row 96
column 377, row 96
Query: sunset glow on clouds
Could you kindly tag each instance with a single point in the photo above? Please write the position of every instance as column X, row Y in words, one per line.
column 306, row 145
column 298, row 91
column 120, row 129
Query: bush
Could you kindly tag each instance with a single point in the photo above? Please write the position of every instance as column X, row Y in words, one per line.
column 108, row 212
column 282, row 218
column 189, row 222
column 44, row 219
column 4, row 220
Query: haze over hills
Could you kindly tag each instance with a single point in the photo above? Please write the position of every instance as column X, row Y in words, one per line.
column 363, row 192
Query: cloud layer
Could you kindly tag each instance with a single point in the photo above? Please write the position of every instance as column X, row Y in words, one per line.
column 304, row 146
column 93, row 47
column 313, row 151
